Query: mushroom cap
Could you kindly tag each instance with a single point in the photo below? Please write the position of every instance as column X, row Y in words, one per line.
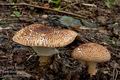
column 44, row 36
column 91, row 52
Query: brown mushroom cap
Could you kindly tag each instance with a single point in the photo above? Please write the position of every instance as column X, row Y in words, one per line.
column 91, row 52
column 44, row 36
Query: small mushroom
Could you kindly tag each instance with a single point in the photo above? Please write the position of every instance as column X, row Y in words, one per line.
column 91, row 53
column 44, row 39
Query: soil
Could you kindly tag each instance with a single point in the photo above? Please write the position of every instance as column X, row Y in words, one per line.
column 104, row 29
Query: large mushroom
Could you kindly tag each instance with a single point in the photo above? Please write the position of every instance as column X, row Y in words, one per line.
column 91, row 54
column 44, row 39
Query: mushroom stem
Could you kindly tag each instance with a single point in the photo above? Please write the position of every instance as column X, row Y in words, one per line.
column 92, row 68
column 45, row 51
column 45, row 60
column 45, row 54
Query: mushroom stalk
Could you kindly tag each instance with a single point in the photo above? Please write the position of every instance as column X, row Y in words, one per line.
column 45, row 60
column 45, row 54
column 92, row 68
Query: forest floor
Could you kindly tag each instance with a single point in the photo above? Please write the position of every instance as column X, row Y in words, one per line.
column 96, row 23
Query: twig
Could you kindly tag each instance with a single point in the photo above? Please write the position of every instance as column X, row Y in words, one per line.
column 30, row 56
column 23, row 74
column 4, row 29
column 115, row 72
column 89, row 5
column 12, row 4
column 14, row 20
column 44, row 8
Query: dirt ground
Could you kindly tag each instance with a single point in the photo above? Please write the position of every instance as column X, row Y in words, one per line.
column 18, row 62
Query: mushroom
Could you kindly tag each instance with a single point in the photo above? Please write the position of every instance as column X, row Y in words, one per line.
column 91, row 54
column 44, row 39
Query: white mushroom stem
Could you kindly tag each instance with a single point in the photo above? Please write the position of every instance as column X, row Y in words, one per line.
column 45, row 51
column 45, row 54
column 92, row 68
